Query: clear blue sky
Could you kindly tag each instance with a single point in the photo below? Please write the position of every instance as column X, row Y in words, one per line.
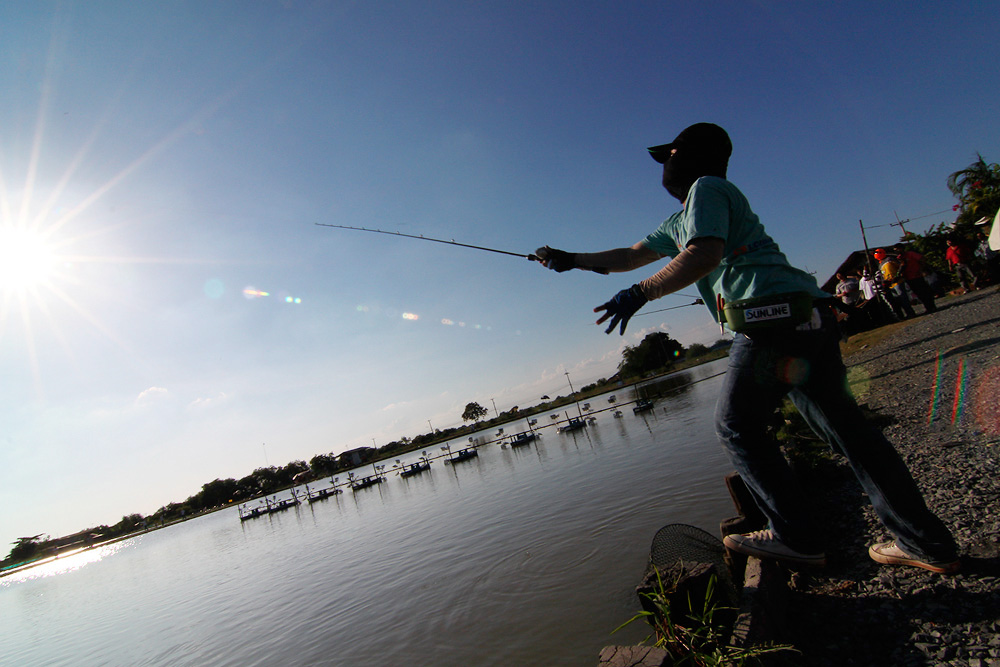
column 172, row 155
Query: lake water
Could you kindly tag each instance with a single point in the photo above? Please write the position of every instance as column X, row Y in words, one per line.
column 525, row 556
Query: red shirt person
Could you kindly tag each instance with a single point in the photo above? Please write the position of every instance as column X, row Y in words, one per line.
column 913, row 274
column 959, row 256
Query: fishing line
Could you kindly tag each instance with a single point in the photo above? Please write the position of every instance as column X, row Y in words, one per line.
column 696, row 302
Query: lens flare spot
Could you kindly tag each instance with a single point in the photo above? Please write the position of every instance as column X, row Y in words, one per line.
column 254, row 293
column 292, row 299
column 859, row 381
column 363, row 309
column 447, row 322
column 986, row 404
column 410, row 316
column 214, row 289
column 793, row 371
column 932, row 409
column 958, row 404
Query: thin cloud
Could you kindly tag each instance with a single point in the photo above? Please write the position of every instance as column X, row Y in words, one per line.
column 204, row 403
column 152, row 395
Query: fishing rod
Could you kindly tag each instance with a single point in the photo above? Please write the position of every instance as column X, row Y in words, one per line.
column 531, row 257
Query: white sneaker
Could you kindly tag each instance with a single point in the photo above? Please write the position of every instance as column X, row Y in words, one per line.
column 889, row 553
column 764, row 544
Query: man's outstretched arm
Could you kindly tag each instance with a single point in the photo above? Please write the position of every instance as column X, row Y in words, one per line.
column 613, row 261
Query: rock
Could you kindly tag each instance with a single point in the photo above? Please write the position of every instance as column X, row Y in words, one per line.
column 633, row 656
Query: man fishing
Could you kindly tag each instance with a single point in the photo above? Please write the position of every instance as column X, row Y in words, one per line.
column 786, row 343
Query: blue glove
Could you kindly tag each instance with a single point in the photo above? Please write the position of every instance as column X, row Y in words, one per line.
column 622, row 307
column 557, row 260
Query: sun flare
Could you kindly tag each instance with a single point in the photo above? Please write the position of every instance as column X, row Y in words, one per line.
column 26, row 260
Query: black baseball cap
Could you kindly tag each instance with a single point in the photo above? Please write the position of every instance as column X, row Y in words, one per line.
column 706, row 138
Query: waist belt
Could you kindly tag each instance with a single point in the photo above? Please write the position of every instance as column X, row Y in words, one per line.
column 769, row 312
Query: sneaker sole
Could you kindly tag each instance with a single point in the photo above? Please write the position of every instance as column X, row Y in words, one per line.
column 939, row 568
column 746, row 550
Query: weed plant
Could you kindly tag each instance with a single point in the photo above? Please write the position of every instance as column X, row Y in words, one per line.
column 697, row 635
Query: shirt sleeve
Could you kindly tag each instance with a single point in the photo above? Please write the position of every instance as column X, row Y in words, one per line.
column 706, row 213
column 662, row 240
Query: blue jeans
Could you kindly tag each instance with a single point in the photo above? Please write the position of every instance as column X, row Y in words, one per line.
column 807, row 367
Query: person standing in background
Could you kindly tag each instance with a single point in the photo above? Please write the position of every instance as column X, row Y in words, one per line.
column 959, row 258
column 913, row 275
column 989, row 257
column 892, row 285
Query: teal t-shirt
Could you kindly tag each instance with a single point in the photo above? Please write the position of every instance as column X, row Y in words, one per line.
column 752, row 264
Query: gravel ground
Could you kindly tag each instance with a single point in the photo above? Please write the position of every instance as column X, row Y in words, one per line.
column 933, row 384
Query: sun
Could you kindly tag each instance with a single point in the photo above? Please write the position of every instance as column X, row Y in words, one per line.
column 27, row 260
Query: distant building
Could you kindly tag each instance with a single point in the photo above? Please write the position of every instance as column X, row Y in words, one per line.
column 355, row 457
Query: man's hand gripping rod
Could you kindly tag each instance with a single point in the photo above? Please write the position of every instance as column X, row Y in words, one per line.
column 560, row 260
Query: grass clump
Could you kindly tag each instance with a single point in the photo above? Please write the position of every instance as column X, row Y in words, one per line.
column 696, row 629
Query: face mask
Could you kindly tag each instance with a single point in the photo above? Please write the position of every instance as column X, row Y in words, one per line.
column 702, row 149
column 686, row 166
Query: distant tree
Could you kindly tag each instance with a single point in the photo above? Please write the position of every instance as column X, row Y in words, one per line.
column 656, row 351
column 323, row 464
column 977, row 188
column 696, row 350
column 25, row 549
column 290, row 470
column 168, row 512
column 128, row 524
column 249, row 486
column 217, row 492
column 268, row 479
column 474, row 412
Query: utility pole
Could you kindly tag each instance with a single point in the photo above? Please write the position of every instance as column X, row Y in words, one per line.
column 901, row 223
column 495, row 407
column 868, row 256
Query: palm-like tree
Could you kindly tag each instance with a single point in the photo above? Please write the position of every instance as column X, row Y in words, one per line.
column 977, row 188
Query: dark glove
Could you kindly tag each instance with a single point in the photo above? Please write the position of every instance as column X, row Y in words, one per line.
column 557, row 260
column 622, row 306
